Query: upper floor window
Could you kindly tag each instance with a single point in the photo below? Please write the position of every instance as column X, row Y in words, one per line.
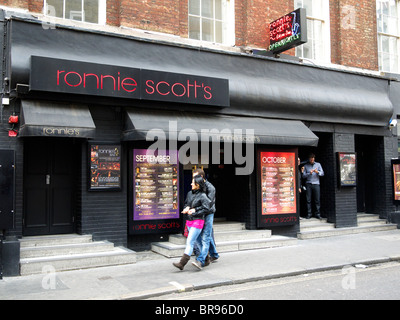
column 318, row 30
column 212, row 20
column 93, row 11
column 388, row 35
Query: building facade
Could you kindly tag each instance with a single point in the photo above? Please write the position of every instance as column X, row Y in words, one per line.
column 96, row 84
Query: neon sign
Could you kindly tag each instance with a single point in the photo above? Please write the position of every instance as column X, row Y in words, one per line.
column 288, row 31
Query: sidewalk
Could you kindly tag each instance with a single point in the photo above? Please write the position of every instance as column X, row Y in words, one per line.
column 153, row 278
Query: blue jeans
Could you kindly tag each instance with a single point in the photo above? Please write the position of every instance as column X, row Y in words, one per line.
column 191, row 240
column 206, row 242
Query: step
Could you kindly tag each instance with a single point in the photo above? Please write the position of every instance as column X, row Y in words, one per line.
column 315, row 225
column 65, row 249
column 227, row 236
column 367, row 216
column 344, row 231
column 369, row 222
column 171, row 250
column 36, row 241
column 228, row 226
column 116, row 256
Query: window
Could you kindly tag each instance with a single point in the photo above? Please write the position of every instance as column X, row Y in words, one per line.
column 212, row 20
column 388, row 35
column 93, row 11
column 318, row 33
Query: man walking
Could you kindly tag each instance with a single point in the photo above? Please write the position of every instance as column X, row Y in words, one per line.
column 205, row 241
column 312, row 171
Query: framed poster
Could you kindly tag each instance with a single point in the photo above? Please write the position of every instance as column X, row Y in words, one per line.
column 155, row 185
column 277, row 184
column 395, row 164
column 347, row 169
column 105, row 166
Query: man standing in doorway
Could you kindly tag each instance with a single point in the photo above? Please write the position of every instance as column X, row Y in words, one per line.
column 312, row 171
column 206, row 240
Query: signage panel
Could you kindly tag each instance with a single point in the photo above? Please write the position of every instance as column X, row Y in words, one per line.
column 105, row 167
column 347, row 169
column 288, row 31
column 277, row 188
column 83, row 78
column 396, row 180
column 155, row 185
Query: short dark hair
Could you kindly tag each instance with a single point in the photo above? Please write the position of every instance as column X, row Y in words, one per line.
column 200, row 172
column 200, row 182
column 311, row 155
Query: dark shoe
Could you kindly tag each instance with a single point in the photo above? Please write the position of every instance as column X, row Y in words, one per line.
column 182, row 263
column 308, row 216
column 318, row 216
column 207, row 261
column 197, row 264
column 212, row 259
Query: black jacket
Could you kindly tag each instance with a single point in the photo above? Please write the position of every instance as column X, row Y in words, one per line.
column 199, row 201
column 211, row 195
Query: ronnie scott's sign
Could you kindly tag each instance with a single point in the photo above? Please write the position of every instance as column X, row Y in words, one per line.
column 288, row 31
column 75, row 77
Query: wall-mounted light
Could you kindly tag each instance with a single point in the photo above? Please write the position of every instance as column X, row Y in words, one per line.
column 13, row 119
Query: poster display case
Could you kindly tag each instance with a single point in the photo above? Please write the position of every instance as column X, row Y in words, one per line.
column 395, row 164
column 347, row 169
column 277, row 187
column 105, row 167
column 155, row 191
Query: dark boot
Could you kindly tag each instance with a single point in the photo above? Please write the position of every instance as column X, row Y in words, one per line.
column 181, row 264
column 207, row 261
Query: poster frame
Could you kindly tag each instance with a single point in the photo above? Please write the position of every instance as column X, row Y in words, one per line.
column 153, row 226
column 341, row 182
column 89, row 175
column 281, row 219
column 394, row 162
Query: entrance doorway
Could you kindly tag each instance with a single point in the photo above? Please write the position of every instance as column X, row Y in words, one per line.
column 49, row 185
column 370, row 169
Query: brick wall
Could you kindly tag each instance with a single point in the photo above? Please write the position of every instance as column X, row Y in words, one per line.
column 252, row 19
column 354, row 33
column 156, row 15
column 352, row 23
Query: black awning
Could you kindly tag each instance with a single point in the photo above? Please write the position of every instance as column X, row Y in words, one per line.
column 183, row 126
column 50, row 119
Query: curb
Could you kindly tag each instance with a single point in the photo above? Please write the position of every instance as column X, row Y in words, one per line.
column 190, row 287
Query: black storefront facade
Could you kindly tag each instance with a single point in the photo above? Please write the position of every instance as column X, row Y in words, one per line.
column 84, row 97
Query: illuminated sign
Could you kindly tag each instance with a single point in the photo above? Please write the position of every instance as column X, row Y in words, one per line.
column 277, row 188
column 156, row 185
column 288, row 31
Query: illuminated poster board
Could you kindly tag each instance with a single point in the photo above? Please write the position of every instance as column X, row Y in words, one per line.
column 277, row 188
column 396, row 180
column 155, row 185
column 105, row 167
column 288, row 31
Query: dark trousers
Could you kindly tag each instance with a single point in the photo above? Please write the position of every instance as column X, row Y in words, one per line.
column 313, row 192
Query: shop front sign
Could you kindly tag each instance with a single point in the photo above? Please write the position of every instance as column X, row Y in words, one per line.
column 83, row 78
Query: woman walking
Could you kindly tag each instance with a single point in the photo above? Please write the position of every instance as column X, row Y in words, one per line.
column 196, row 206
